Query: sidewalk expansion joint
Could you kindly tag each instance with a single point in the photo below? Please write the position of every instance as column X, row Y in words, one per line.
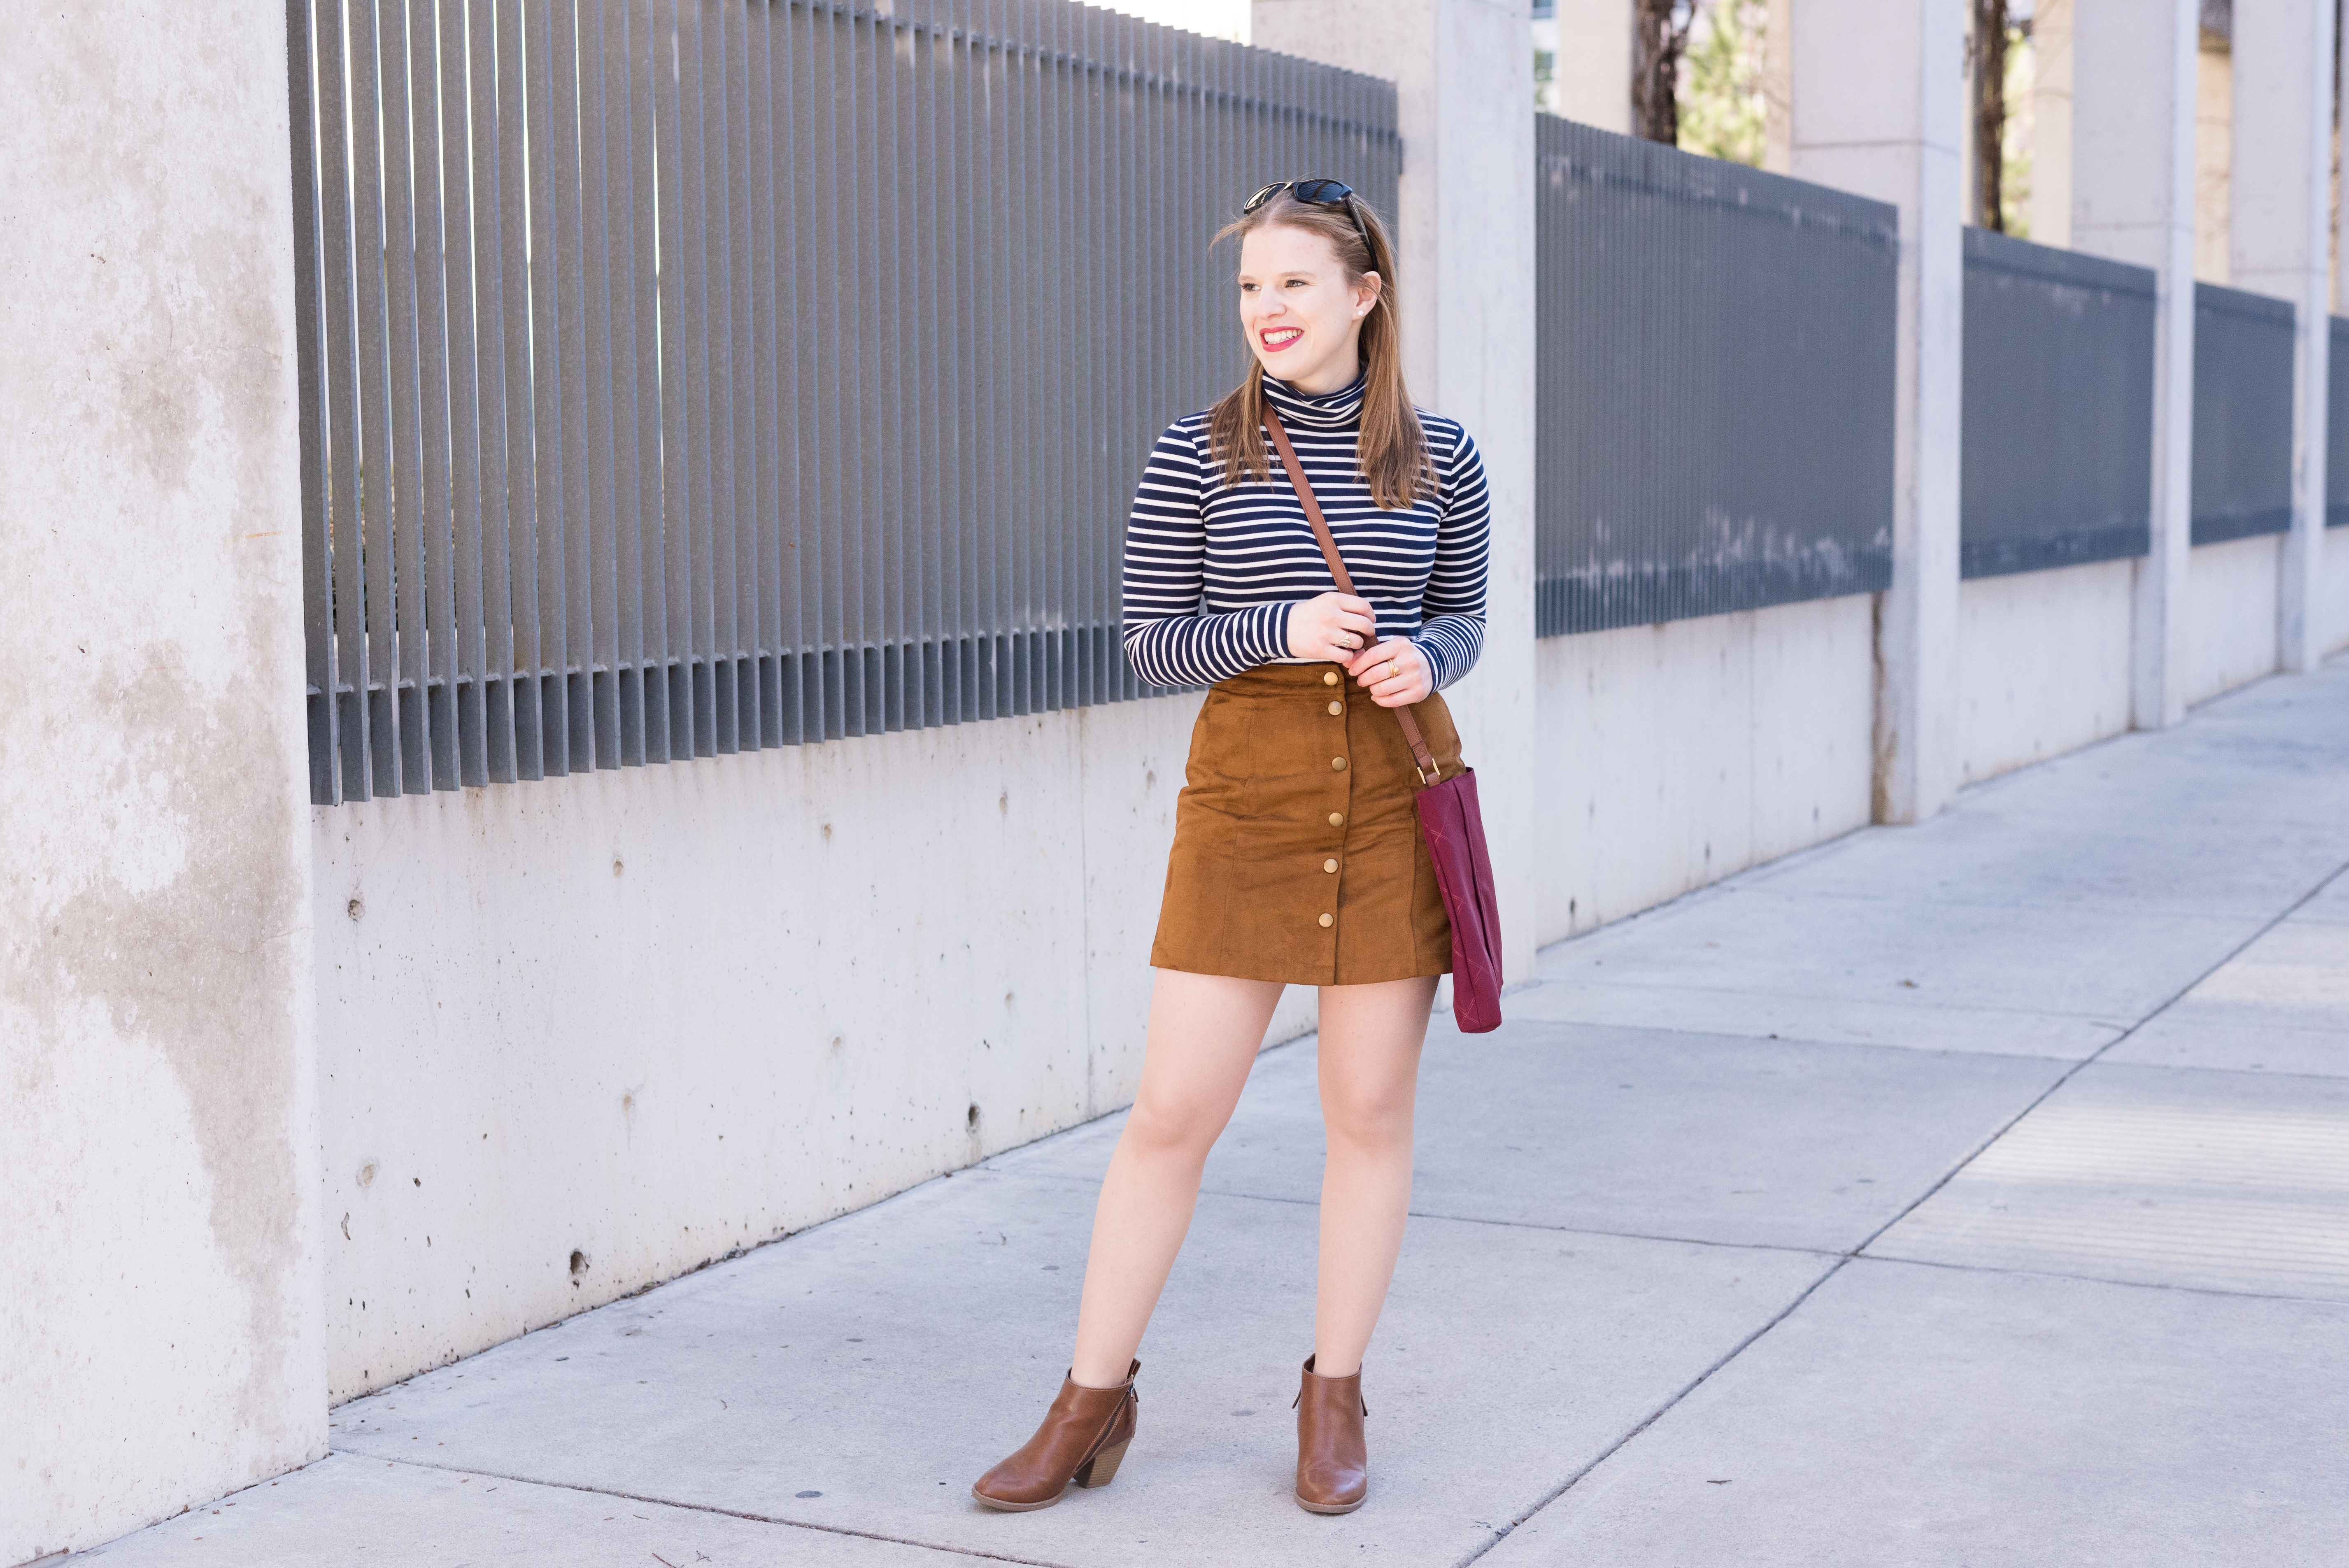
column 1559, row 1230
column 2103, row 1279
column 741, row 1514
column 2077, row 1068
column 1659, row 1413
column 1855, row 1252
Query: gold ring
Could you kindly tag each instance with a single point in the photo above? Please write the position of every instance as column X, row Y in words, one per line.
column 1390, row 669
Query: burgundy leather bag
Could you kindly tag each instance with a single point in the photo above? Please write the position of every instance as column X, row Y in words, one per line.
column 1449, row 821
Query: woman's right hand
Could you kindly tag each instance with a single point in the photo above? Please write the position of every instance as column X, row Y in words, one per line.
column 1333, row 627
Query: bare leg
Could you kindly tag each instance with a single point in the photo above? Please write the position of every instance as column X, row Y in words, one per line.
column 1370, row 1040
column 1204, row 1030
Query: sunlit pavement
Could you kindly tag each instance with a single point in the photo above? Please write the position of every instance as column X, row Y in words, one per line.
column 1966, row 1194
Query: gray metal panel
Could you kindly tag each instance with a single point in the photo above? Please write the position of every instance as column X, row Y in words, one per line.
column 553, row 372
column 766, row 284
column 603, row 190
column 2243, row 346
column 309, row 325
column 670, row 630
column 739, row 635
column 2336, row 432
column 378, row 622
column 437, row 597
column 1716, row 385
column 645, row 727
column 536, row 720
column 468, row 663
column 2058, row 431
column 404, row 405
column 501, row 762
column 569, row 563
column 687, row 376
column 339, row 344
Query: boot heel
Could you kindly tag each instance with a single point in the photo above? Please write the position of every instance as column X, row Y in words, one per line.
column 1094, row 1422
column 1101, row 1469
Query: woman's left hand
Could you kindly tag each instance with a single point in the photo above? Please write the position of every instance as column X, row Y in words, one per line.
column 1393, row 672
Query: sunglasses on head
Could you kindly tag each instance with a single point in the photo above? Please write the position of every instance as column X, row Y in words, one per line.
column 1317, row 193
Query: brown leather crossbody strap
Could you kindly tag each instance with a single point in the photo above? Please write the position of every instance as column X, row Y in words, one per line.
column 1428, row 771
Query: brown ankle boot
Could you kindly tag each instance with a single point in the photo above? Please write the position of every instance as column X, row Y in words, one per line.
column 1333, row 1464
column 1084, row 1440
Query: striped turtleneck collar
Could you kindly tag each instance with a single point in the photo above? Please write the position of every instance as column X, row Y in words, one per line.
column 1330, row 411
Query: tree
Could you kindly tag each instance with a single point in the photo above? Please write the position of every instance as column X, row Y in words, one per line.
column 1659, row 36
column 1990, row 113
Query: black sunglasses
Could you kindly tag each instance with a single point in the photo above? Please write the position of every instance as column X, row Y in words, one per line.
column 1319, row 193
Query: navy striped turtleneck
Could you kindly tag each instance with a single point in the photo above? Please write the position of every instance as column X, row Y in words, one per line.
column 1212, row 569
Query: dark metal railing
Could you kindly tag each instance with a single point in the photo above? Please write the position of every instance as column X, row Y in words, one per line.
column 1715, row 398
column 687, row 376
column 2243, row 414
column 2057, row 467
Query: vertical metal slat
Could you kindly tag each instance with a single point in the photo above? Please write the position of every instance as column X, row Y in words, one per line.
column 309, row 306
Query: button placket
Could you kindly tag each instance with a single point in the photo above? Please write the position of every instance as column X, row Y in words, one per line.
column 1340, row 770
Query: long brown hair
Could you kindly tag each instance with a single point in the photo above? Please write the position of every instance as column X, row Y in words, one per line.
column 1394, row 447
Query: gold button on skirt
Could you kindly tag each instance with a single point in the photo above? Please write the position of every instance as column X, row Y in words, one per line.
column 1279, row 788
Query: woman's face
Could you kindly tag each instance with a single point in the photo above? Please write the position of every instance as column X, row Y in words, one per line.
column 1302, row 318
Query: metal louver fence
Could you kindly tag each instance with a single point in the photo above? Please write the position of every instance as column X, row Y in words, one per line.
column 2058, row 431
column 2336, row 420
column 687, row 376
column 2243, row 414
column 1715, row 392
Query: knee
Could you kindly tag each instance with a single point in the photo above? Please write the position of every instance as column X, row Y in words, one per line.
column 1164, row 1126
column 1368, row 1123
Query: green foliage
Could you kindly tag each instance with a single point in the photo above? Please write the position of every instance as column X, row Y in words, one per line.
column 2016, row 144
column 1723, row 113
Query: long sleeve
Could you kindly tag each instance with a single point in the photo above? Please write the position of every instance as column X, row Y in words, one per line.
column 1169, row 641
column 1452, row 634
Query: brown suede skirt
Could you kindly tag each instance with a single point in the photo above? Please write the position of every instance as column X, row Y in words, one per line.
column 1297, row 851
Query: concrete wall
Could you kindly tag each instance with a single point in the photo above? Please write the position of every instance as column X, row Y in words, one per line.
column 2214, row 161
column 2230, row 614
column 159, row 1320
column 654, row 1015
column 1591, row 44
column 2050, row 108
column 1875, row 110
column 649, row 1016
column 2333, row 598
column 2043, row 664
column 1675, row 754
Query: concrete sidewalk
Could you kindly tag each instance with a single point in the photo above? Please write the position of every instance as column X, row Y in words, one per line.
column 1966, row 1194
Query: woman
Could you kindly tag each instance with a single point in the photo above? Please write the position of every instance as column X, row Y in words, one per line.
column 1297, row 856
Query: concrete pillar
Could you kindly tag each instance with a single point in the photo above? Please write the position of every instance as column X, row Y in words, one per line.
column 2214, row 157
column 1879, row 108
column 2132, row 177
column 2340, row 291
column 1778, row 87
column 159, row 1340
column 2282, row 207
column 1591, row 80
column 2051, row 123
column 1463, row 75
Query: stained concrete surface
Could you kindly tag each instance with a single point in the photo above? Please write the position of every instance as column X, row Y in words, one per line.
column 1912, row 1415
column 1967, row 1295
column 2276, row 1006
column 2224, row 1181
